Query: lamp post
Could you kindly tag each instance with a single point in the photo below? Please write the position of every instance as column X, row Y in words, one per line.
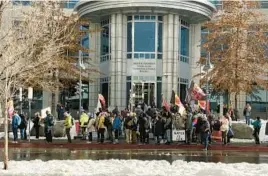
column 81, row 66
column 20, row 99
column 206, row 68
column 30, row 98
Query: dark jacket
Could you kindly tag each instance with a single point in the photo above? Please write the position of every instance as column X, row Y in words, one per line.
column 159, row 127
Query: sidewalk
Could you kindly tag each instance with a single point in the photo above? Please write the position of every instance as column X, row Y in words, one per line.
column 79, row 144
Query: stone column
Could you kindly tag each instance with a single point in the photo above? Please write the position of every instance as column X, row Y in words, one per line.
column 93, row 88
column 195, row 51
column 170, row 54
column 118, row 60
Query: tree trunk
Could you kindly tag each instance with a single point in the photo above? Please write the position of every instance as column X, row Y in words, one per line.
column 6, row 137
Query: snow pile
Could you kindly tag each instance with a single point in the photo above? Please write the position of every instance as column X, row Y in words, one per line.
column 130, row 168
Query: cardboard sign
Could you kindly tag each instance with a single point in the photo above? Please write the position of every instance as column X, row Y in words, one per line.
column 178, row 135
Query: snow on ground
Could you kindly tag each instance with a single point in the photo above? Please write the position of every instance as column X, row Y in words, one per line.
column 130, row 168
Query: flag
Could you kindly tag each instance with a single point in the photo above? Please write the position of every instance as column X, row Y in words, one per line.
column 165, row 103
column 175, row 99
column 98, row 106
column 195, row 92
column 102, row 99
column 203, row 105
column 10, row 108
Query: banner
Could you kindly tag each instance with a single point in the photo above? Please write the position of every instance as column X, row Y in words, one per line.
column 178, row 135
column 195, row 93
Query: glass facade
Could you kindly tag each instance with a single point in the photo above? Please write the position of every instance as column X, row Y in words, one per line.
column 144, row 37
column 105, row 40
column 184, row 40
column 70, row 4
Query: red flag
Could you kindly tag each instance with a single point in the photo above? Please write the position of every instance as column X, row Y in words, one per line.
column 165, row 103
column 102, row 99
column 196, row 93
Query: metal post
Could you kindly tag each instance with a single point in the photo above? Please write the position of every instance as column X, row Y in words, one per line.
column 80, row 87
column 29, row 119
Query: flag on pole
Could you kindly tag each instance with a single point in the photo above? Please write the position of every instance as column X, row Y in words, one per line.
column 195, row 93
column 165, row 103
column 102, row 99
column 98, row 106
column 175, row 99
column 10, row 108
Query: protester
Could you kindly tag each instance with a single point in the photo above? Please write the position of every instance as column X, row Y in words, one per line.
column 16, row 120
column 36, row 121
column 23, row 127
column 224, row 128
column 257, row 127
column 109, row 126
column 83, row 123
column 116, row 128
column 49, row 123
column 205, row 131
column 247, row 113
column 91, row 127
column 128, row 128
column 68, row 125
column 158, row 128
column 101, row 126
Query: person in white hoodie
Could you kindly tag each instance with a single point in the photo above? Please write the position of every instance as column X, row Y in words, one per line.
column 91, row 127
column 224, row 128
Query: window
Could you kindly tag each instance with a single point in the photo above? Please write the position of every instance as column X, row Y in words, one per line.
column 160, row 38
column 105, row 41
column 182, row 88
column 70, row 4
column 129, row 37
column 85, row 38
column 184, row 41
column 24, row 3
column 159, row 92
column 144, row 37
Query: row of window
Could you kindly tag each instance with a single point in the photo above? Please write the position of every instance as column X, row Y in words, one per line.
column 69, row 4
column 144, row 17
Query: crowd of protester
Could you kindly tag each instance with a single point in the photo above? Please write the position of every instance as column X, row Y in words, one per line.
column 135, row 127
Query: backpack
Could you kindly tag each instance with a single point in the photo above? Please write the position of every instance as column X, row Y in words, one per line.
column 18, row 120
column 22, row 124
column 107, row 121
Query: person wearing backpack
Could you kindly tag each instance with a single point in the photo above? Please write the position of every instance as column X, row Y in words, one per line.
column 16, row 121
column 116, row 128
column 49, row 123
column 109, row 126
column 257, row 127
column 23, row 126
column 68, row 125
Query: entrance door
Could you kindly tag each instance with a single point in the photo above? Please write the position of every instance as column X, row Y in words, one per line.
column 144, row 92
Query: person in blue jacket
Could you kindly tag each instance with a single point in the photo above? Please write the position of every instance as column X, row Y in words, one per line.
column 116, row 128
column 16, row 120
column 257, row 127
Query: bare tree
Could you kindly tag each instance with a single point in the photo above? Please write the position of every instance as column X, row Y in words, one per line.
column 33, row 49
column 237, row 43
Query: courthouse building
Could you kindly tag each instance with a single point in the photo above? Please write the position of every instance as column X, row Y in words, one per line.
column 147, row 47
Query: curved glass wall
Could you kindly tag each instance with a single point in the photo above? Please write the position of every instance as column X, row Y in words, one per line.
column 144, row 37
column 105, row 41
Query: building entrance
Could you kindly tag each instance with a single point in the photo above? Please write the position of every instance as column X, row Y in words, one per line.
column 144, row 92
